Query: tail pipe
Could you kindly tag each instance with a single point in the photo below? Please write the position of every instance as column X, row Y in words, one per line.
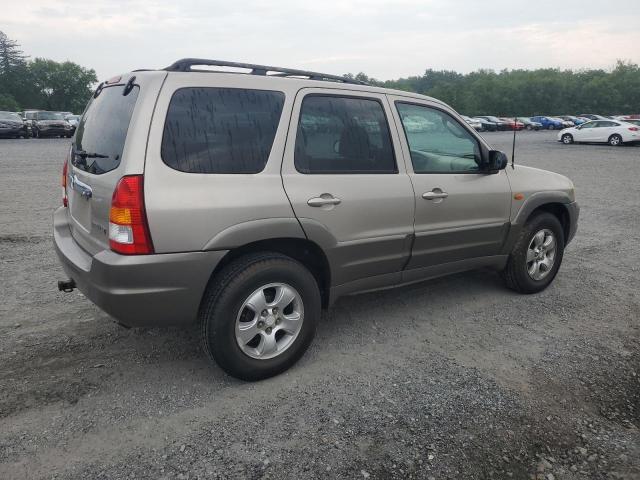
column 66, row 285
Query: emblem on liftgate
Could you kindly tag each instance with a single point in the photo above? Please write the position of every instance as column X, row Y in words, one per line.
column 82, row 188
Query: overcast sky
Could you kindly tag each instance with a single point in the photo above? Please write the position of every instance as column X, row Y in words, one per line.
column 385, row 39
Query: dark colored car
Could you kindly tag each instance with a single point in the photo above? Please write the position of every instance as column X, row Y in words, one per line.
column 530, row 124
column 487, row 126
column 49, row 124
column 500, row 124
column 12, row 125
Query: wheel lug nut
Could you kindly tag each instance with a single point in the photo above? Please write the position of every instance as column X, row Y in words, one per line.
column 275, row 310
column 278, row 321
column 268, row 330
column 260, row 324
column 264, row 313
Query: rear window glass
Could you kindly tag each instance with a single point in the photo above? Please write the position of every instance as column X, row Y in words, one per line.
column 102, row 131
column 220, row 130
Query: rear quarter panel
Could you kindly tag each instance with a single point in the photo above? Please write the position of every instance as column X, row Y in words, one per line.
column 186, row 211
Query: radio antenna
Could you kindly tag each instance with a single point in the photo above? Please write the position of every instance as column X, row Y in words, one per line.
column 513, row 147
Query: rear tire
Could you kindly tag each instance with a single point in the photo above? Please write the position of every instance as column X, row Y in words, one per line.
column 567, row 139
column 615, row 140
column 229, row 305
column 531, row 266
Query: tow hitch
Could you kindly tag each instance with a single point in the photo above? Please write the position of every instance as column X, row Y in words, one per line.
column 66, row 285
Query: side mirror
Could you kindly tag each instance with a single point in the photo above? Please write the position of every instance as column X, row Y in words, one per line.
column 497, row 161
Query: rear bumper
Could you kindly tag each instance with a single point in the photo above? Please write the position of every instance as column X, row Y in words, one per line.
column 137, row 290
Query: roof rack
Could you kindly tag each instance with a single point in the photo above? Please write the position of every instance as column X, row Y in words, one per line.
column 185, row 64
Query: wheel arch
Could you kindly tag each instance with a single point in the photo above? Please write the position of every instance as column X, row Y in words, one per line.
column 557, row 203
column 558, row 210
column 303, row 250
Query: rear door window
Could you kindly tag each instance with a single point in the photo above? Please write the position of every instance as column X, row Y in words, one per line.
column 220, row 130
column 102, row 131
column 343, row 135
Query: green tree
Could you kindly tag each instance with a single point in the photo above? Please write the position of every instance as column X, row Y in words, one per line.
column 13, row 66
column 7, row 102
column 546, row 91
column 62, row 86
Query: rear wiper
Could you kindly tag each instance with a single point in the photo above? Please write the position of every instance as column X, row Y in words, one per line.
column 83, row 154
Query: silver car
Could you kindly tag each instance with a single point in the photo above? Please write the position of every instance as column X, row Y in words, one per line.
column 247, row 202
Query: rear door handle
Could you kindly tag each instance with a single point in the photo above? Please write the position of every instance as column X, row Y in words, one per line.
column 434, row 194
column 322, row 201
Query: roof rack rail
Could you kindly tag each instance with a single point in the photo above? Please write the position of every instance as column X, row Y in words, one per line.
column 185, row 64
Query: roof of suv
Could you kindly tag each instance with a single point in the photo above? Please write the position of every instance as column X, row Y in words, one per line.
column 303, row 77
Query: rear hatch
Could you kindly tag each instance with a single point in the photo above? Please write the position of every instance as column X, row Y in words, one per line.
column 96, row 162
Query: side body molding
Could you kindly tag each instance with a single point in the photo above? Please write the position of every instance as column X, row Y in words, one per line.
column 254, row 231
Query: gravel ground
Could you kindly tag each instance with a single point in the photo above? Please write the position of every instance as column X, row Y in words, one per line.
column 453, row 378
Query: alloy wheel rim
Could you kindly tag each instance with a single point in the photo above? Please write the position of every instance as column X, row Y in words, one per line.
column 541, row 254
column 269, row 321
column 614, row 140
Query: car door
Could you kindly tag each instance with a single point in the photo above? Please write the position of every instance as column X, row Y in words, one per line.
column 608, row 128
column 462, row 213
column 592, row 131
column 344, row 175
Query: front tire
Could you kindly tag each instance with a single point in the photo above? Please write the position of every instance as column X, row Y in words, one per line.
column 537, row 254
column 615, row 140
column 259, row 315
column 567, row 139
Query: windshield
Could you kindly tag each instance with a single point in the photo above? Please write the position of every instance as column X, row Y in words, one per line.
column 50, row 116
column 10, row 116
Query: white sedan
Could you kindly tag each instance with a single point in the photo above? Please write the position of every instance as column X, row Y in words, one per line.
column 612, row 132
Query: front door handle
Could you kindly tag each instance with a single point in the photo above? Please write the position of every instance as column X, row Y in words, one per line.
column 325, row 199
column 435, row 194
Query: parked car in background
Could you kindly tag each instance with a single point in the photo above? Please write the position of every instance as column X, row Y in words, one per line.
column 548, row 122
column 487, row 126
column 12, row 126
column 613, row 132
column 50, row 124
column 633, row 121
column 512, row 124
column 565, row 123
column 593, row 116
column 574, row 120
column 530, row 124
column 73, row 121
column 500, row 124
column 473, row 123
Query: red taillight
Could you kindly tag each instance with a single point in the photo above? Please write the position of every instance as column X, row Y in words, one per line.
column 65, row 199
column 634, row 129
column 128, row 227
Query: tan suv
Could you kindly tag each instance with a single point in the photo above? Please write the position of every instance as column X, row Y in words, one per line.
column 246, row 202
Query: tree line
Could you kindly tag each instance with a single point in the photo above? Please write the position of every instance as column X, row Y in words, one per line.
column 40, row 83
column 545, row 91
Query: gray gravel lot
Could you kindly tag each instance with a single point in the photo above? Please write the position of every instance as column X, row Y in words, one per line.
column 453, row 378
